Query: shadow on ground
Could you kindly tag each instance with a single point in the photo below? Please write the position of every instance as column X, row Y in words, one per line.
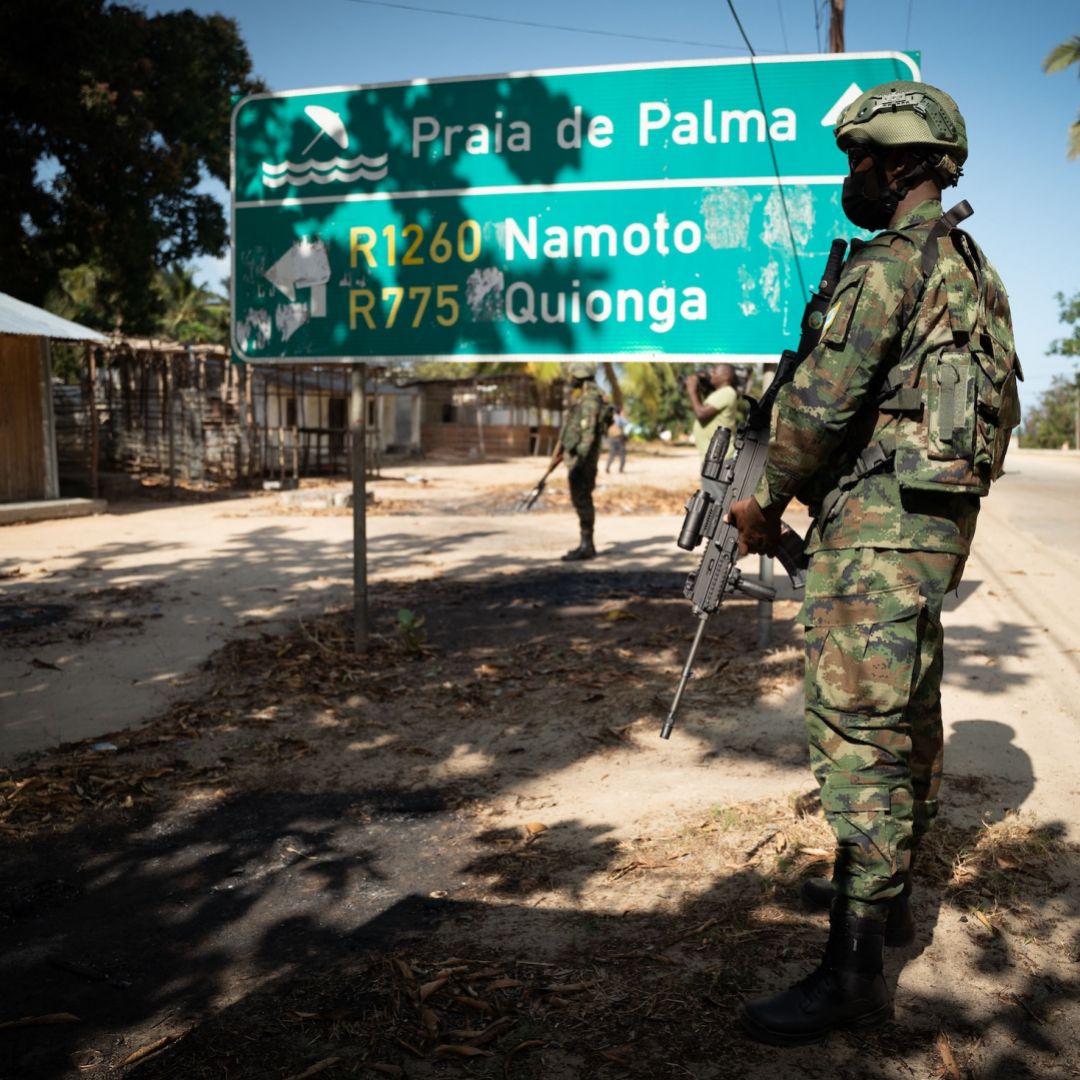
column 300, row 871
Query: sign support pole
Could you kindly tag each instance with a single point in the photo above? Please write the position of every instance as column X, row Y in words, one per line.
column 765, row 607
column 358, row 418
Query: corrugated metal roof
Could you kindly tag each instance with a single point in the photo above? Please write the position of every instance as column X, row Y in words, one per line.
column 17, row 317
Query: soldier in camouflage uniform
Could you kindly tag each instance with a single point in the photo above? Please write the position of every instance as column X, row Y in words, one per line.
column 891, row 432
column 579, row 443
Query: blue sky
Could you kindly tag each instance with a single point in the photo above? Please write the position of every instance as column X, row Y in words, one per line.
column 986, row 53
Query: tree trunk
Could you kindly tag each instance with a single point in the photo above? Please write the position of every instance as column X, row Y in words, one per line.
column 616, row 389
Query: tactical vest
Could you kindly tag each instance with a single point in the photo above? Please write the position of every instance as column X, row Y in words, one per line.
column 948, row 405
column 586, row 420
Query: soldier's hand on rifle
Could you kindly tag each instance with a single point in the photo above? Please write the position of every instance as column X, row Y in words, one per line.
column 759, row 530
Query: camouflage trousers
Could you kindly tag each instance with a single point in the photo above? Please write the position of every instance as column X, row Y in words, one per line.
column 874, row 657
column 582, row 477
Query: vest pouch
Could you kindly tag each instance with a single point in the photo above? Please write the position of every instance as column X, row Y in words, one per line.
column 936, row 449
column 998, row 412
column 951, row 384
column 968, row 384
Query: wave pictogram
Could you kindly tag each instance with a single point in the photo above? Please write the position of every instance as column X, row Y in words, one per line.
column 336, row 170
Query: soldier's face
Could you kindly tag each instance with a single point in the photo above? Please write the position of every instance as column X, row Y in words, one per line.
column 861, row 165
column 862, row 194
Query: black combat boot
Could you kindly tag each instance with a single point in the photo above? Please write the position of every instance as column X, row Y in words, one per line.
column 817, row 895
column 847, row 991
column 584, row 550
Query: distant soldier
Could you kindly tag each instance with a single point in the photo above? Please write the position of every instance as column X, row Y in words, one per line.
column 579, row 444
column 891, row 432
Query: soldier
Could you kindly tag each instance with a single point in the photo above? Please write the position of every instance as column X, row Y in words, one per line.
column 579, row 443
column 891, row 432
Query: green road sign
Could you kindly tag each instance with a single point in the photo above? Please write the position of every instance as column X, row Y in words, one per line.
column 639, row 212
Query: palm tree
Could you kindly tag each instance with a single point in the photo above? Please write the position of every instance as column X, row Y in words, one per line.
column 1061, row 58
column 193, row 313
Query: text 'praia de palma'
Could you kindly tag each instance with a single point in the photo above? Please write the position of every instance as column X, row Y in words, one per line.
column 657, row 125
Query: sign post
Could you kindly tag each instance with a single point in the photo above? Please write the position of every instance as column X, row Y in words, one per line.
column 358, row 424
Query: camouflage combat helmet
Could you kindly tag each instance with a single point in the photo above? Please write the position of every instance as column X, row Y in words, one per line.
column 904, row 113
column 582, row 370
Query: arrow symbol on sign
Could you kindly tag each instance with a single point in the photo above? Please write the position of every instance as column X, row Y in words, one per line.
column 305, row 265
column 845, row 99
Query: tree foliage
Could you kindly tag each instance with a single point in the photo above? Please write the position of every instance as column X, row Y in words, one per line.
column 1061, row 58
column 1070, row 315
column 192, row 313
column 1053, row 420
column 544, row 372
column 656, row 399
column 186, row 311
column 112, row 118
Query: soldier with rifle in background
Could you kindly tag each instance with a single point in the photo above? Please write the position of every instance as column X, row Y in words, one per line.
column 891, row 432
column 579, row 445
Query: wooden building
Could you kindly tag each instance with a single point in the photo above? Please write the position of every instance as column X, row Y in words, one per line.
column 187, row 415
column 510, row 414
column 29, row 466
column 309, row 407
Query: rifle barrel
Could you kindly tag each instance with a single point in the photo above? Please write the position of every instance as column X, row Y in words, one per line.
column 669, row 723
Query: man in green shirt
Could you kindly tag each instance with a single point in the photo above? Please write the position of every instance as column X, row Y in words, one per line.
column 719, row 409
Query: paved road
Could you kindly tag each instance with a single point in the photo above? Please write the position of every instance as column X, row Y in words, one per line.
column 1011, row 693
column 1040, row 495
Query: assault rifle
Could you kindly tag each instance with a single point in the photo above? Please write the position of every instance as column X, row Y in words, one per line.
column 727, row 480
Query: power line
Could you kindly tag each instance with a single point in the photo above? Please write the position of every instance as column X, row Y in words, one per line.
column 546, row 26
column 817, row 22
column 772, row 149
column 907, row 29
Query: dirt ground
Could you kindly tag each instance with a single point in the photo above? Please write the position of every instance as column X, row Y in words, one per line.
column 466, row 852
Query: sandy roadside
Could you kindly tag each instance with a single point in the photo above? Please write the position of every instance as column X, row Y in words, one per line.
column 155, row 590
column 159, row 588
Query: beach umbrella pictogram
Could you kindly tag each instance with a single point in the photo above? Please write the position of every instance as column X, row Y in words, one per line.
column 328, row 123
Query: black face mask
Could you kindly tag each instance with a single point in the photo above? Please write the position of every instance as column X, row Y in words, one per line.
column 861, row 209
